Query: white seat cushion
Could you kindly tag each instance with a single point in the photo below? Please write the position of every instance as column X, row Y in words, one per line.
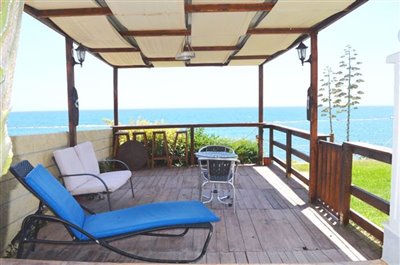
column 114, row 180
column 68, row 162
column 88, row 158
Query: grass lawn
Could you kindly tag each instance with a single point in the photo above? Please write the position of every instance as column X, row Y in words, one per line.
column 372, row 176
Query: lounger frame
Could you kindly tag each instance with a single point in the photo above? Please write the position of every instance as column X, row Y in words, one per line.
column 31, row 226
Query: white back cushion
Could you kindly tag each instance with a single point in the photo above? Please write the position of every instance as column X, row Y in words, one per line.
column 88, row 158
column 69, row 163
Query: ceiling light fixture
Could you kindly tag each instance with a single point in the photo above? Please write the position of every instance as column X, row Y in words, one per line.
column 187, row 52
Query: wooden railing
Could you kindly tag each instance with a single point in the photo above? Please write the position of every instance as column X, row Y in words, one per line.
column 192, row 127
column 334, row 184
column 288, row 148
column 370, row 151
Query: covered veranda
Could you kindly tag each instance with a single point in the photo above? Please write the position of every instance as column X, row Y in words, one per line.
column 138, row 34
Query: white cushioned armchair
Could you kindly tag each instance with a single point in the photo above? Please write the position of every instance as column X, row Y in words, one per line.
column 81, row 174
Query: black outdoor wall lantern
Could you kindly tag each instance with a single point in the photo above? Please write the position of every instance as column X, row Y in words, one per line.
column 302, row 53
column 80, row 54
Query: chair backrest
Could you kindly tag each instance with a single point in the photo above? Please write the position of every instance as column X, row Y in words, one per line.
column 87, row 156
column 69, row 163
column 216, row 148
column 50, row 192
column 220, row 169
column 77, row 160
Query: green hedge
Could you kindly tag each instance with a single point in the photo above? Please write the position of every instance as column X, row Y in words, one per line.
column 245, row 149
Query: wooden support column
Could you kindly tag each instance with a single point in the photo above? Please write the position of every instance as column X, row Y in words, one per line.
column 70, row 90
column 115, row 86
column 260, row 113
column 312, row 192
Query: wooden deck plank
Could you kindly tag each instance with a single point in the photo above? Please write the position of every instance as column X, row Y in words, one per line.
column 252, row 257
column 249, row 234
column 235, row 239
column 240, row 257
column 227, row 258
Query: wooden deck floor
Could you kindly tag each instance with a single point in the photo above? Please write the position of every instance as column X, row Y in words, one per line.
column 273, row 224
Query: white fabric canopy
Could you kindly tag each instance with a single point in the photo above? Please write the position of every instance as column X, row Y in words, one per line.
column 157, row 29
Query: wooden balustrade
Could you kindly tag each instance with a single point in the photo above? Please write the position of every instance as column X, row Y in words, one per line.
column 191, row 128
column 378, row 153
column 288, row 148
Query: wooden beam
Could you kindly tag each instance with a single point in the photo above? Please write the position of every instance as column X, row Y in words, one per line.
column 312, row 192
column 214, row 48
column 163, row 59
column 202, row 8
column 250, row 57
column 205, row 64
column 156, row 33
column 104, row 50
column 70, row 90
column 115, row 95
column 74, row 12
column 279, row 31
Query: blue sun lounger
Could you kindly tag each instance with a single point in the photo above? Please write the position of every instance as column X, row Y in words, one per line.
column 102, row 228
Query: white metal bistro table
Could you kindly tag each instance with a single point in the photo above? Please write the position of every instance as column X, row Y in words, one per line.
column 216, row 154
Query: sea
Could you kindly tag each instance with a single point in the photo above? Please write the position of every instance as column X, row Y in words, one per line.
column 369, row 124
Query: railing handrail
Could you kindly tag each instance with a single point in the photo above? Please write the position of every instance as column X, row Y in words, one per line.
column 296, row 132
column 380, row 153
column 188, row 125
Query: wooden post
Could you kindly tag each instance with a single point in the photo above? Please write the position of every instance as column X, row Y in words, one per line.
column 288, row 154
column 115, row 85
column 271, row 143
column 70, row 90
column 192, row 145
column 312, row 193
column 260, row 114
column 345, row 184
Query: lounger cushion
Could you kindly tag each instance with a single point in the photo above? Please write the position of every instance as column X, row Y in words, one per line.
column 55, row 196
column 114, row 180
column 148, row 216
column 68, row 162
column 87, row 156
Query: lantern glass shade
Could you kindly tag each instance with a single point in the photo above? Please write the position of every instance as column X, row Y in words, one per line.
column 302, row 51
column 80, row 53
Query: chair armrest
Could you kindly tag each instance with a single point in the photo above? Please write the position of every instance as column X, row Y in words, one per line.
column 88, row 174
column 115, row 161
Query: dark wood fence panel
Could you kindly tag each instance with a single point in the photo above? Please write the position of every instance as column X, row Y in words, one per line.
column 329, row 174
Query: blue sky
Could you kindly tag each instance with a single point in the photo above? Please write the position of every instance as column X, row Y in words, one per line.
column 40, row 75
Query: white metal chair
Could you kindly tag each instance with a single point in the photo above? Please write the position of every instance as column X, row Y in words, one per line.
column 218, row 172
column 216, row 148
column 81, row 174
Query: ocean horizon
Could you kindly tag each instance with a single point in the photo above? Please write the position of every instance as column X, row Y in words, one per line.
column 369, row 124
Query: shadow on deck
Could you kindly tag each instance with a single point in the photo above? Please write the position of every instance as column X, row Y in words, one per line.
column 273, row 223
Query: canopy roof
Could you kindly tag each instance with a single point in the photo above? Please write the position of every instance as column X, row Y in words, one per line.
column 148, row 33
